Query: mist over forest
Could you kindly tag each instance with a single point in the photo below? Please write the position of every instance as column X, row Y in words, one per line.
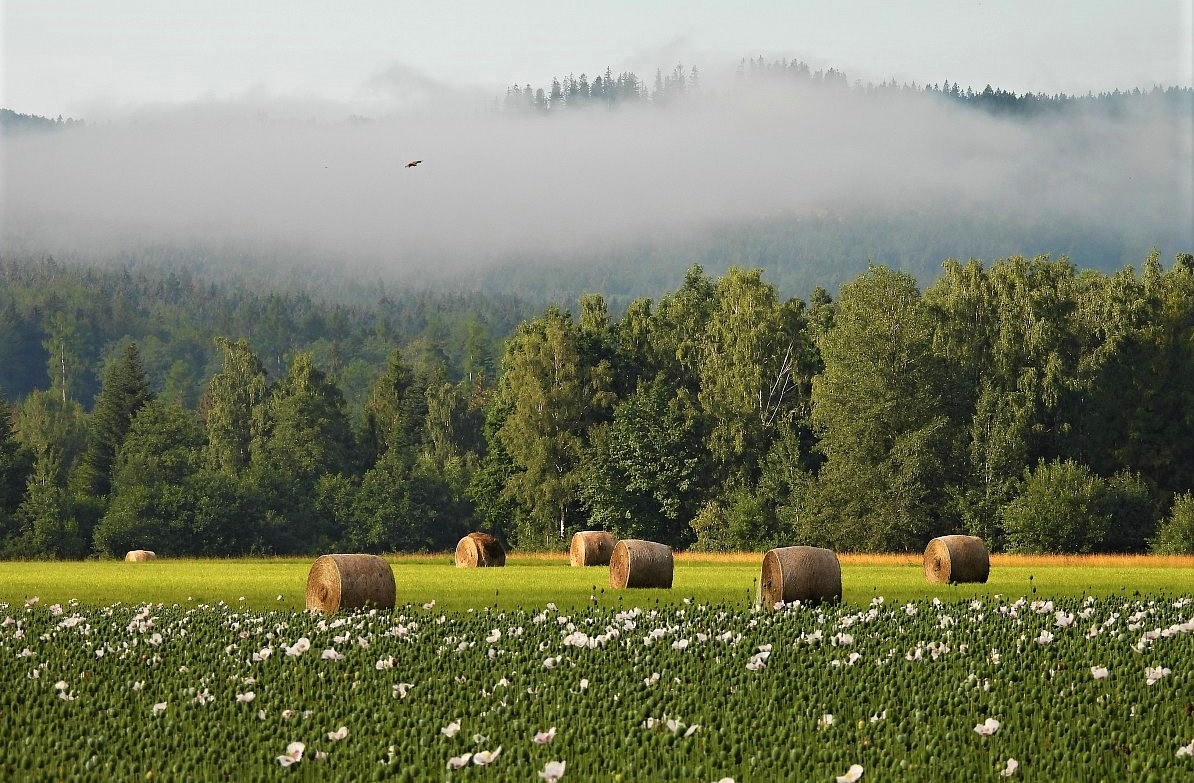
column 611, row 183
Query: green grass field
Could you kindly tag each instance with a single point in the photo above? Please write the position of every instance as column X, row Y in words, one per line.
column 529, row 581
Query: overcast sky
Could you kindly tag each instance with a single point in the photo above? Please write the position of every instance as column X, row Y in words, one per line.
column 101, row 59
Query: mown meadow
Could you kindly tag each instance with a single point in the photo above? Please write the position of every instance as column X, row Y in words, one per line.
column 534, row 580
column 973, row 683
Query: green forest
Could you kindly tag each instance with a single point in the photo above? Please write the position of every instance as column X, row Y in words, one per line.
column 1042, row 407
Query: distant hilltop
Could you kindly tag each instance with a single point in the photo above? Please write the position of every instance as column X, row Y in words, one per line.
column 627, row 87
column 13, row 122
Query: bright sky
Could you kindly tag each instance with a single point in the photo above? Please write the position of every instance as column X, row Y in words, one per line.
column 83, row 58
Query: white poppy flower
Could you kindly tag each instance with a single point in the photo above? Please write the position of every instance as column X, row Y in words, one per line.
column 1099, row 672
column 331, row 655
column 1010, row 769
column 852, row 774
column 552, row 771
column 494, row 636
column 159, row 708
column 245, row 698
column 1153, row 674
column 451, row 729
column 544, row 737
column 385, row 663
column 483, row 757
column 680, row 644
column 584, row 683
column 1186, row 750
column 401, row 689
column 293, row 754
column 824, row 720
column 338, row 734
column 456, row 762
column 987, row 727
column 692, row 730
column 1044, row 638
column 299, row 647
column 551, row 663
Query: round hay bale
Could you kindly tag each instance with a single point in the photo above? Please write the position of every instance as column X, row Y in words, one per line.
column 591, row 548
column 349, row 582
column 636, row 563
column 807, row 574
column 139, row 556
column 480, row 550
column 957, row 559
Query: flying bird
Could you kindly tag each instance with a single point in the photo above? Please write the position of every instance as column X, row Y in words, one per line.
column 413, row 163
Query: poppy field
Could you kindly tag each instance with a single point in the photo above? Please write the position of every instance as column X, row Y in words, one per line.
column 969, row 688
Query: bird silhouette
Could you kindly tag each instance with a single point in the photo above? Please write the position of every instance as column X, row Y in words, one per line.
column 413, row 163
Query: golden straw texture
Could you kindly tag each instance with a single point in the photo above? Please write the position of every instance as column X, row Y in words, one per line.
column 957, row 559
column 338, row 582
column 636, row 563
column 807, row 574
column 591, row 548
column 480, row 550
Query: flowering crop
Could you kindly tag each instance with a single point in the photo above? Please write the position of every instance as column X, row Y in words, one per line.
column 981, row 689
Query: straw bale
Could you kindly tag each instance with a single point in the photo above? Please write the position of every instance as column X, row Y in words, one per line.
column 591, row 548
column 807, row 574
column 636, row 563
column 350, row 582
column 139, row 556
column 957, row 559
column 480, row 550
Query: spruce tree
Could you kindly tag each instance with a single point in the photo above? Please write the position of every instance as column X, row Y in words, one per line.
column 125, row 390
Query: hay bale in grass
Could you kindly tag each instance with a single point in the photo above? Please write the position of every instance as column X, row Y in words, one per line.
column 480, row 550
column 591, row 548
column 139, row 556
column 807, row 574
column 636, row 563
column 957, row 559
column 350, row 582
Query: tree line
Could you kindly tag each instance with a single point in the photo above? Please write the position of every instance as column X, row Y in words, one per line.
column 610, row 90
column 1041, row 407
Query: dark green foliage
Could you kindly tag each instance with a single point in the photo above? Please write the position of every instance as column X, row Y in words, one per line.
column 648, row 470
column 125, row 390
column 1176, row 533
column 1061, row 509
column 44, row 525
column 1040, row 408
column 879, row 411
column 163, row 498
column 16, row 462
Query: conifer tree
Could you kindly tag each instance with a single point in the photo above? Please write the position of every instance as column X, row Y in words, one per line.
column 125, row 390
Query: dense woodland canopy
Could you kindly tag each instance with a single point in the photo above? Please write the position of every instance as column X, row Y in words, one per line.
column 1044, row 408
